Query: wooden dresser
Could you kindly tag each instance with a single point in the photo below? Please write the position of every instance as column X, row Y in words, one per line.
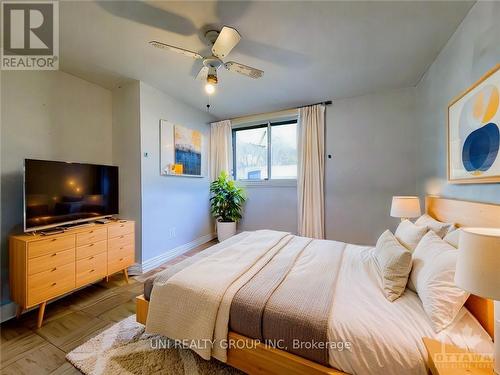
column 46, row 267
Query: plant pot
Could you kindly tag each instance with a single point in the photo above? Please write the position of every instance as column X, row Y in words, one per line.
column 225, row 230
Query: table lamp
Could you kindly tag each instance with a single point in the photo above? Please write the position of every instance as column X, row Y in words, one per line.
column 478, row 271
column 405, row 207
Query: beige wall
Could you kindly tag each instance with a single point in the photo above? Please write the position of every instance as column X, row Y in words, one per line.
column 47, row 115
column 127, row 155
column 469, row 54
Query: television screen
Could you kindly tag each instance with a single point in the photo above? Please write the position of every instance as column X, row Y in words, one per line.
column 57, row 193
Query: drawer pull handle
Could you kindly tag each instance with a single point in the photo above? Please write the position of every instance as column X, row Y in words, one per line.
column 121, row 259
column 54, row 284
column 91, row 245
column 54, row 269
column 91, row 258
column 54, row 239
column 92, row 270
column 91, row 231
column 53, row 255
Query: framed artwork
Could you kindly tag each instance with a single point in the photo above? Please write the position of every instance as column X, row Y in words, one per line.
column 474, row 132
column 181, row 150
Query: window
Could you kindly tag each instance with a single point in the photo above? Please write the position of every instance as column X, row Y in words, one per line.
column 266, row 151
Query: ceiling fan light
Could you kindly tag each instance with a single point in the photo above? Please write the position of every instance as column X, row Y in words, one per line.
column 212, row 79
column 209, row 88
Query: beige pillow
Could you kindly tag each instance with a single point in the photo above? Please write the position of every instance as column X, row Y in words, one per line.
column 432, row 275
column 394, row 263
column 453, row 237
column 439, row 227
column 409, row 234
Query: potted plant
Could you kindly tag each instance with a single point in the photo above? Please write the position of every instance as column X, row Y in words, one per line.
column 226, row 203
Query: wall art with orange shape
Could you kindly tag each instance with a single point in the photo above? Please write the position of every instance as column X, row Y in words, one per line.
column 474, row 132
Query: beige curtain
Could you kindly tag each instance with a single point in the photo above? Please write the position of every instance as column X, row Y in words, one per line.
column 220, row 148
column 311, row 171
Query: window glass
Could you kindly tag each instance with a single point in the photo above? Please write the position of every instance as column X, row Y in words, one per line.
column 284, row 151
column 251, row 153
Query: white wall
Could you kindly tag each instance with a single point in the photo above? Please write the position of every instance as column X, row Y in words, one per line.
column 47, row 115
column 472, row 50
column 372, row 142
column 170, row 204
column 127, row 155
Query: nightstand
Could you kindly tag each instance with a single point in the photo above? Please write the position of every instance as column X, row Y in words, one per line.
column 446, row 359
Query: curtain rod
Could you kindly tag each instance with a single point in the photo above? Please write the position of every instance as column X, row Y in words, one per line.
column 326, row 102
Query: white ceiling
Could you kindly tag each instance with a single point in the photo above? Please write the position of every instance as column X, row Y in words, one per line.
column 310, row 51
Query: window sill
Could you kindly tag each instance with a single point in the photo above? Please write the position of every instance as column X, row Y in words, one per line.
column 268, row 183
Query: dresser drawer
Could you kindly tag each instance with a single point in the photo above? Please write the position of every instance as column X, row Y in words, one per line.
column 48, row 262
column 91, row 235
column 120, row 242
column 120, row 229
column 91, row 269
column 45, row 285
column 90, row 249
column 50, row 245
column 120, row 259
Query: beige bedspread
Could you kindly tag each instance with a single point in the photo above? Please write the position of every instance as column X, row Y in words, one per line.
column 198, row 291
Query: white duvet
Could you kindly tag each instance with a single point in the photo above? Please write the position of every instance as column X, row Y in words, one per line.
column 386, row 337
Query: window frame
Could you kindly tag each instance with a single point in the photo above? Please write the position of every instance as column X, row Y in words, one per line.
column 269, row 181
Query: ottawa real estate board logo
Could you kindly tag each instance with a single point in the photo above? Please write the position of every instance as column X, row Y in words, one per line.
column 30, row 35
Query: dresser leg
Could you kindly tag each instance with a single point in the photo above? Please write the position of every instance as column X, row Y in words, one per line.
column 41, row 311
column 19, row 311
column 125, row 273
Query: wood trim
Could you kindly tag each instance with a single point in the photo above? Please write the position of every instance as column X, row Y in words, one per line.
column 463, row 213
column 260, row 359
column 141, row 309
column 255, row 357
column 477, row 180
column 468, row 214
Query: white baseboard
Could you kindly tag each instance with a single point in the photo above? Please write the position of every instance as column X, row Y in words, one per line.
column 152, row 263
column 8, row 311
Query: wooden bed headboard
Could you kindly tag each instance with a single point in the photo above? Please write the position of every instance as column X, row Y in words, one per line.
column 468, row 214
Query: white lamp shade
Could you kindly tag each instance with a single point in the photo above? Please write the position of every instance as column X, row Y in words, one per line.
column 478, row 264
column 405, row 207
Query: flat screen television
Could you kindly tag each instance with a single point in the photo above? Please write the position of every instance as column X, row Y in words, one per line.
column 59, row 193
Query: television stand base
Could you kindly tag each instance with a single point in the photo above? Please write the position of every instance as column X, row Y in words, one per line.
column 74, row 226
column 52, row 231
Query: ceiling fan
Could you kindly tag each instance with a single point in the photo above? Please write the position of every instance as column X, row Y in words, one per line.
column 222, row 43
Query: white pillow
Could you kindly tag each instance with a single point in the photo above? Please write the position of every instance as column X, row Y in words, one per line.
column 439, row 227
column 432, row 275
column 410, row 234
column 394, row 263
column 453, row 237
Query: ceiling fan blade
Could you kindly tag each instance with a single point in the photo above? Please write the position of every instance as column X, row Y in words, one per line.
column 182, row 51
column 233, row 66
column 202, row 74
column 228, row 38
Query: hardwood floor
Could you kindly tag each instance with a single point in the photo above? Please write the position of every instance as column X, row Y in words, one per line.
column 69, row 322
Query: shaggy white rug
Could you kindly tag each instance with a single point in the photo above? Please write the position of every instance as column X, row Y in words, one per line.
column 126, row 349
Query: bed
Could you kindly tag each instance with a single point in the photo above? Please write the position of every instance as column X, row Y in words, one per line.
column 295, row 293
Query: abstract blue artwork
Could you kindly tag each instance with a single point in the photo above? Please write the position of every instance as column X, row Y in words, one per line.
column 474, row 133
column 187, row 146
